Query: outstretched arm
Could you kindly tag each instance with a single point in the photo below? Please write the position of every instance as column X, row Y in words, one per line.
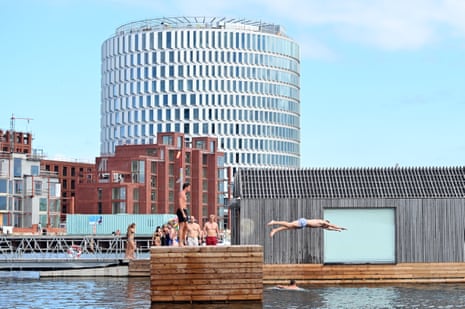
column 333, row 227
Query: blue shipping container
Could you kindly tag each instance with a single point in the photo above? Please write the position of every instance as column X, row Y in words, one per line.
column 108, row 224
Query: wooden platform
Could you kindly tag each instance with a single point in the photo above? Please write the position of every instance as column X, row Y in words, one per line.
column 365, row 274
column 345, row 274
column 206, row 274
column 139, row 268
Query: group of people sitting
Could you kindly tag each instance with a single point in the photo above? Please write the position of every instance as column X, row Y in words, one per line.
column 169, row 233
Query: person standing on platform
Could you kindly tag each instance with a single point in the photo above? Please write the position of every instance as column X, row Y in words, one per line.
column 193, row 232
column 131, row 243
column 182, row 213
column 210, row 229
column 156, row 237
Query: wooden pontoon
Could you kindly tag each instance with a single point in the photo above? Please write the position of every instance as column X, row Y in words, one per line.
column 206, row 274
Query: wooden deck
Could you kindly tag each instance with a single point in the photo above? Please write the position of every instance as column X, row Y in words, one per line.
column 139, row 268
column 336, row 274
column 365, row 274
column 206, row 274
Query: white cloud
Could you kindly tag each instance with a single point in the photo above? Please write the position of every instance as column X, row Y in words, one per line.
column 383, row 24
column 386, row 24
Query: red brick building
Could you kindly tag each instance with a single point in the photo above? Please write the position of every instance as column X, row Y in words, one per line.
column 70, row 175
column 20, row 141
column 146, row 179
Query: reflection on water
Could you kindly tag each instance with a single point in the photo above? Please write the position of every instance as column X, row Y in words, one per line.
column 344, row 296
column 135, row 293
column 76, row 293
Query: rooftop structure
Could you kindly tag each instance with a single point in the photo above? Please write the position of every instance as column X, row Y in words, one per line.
column 199, row 22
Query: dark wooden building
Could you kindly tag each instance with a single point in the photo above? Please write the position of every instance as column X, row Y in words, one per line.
column 393, row 215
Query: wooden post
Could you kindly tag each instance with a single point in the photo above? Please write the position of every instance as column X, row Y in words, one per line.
column 206, row 274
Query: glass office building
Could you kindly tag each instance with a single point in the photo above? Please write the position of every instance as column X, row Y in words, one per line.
column 237, row 80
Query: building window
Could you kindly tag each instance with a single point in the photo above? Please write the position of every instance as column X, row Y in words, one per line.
column 153, row 196
column 205, row 185
column 138, row 171
column 35, row 170
column 153, row 182
column 38, row 187
column 135, row 208
column 17, row 168
column 3, row 186
column 119, row 193
column 18, row 187
column 361, row 247
column 135, row 194
column 153, row 164
column 167, row 140
column 118, row 207
column 3, row 205
column 43, row 204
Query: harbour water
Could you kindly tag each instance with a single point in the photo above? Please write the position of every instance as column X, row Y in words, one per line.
column 110, row 292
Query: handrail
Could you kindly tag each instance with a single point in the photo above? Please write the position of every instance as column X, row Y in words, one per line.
column 66, row 247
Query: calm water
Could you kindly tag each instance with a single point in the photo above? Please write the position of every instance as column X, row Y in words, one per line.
column 135, row 293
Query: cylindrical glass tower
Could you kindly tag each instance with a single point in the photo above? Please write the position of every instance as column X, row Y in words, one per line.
column 237, row 80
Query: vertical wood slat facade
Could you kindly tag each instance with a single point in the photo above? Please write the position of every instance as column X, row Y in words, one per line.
column 426, row 230
column 206, row 274
column 429, row 208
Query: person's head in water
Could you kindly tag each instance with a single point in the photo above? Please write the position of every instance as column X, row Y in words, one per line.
column 292, row 282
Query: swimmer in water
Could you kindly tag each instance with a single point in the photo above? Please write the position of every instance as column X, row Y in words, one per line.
column 292, row 286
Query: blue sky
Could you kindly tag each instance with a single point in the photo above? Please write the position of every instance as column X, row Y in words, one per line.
column 382, row 82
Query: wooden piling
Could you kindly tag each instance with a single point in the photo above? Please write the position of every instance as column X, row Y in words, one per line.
column 206, row 274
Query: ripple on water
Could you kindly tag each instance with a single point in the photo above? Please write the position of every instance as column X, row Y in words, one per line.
column 110, row 292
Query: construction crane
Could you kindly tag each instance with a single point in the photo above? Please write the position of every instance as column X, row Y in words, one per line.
column 12, row 129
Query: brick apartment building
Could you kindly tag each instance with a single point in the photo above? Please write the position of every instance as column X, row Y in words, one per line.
column 146, row 179
column 21, row 143
column 70, row 175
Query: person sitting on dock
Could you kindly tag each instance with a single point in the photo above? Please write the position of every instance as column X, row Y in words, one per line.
column 301, row 223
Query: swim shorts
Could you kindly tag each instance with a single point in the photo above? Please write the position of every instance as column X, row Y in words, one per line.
column 302, row 223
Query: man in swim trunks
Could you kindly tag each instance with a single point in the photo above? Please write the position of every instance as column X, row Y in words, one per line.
column 301, row 223
column 193, row 232
column 210, row 229
column 182, row 213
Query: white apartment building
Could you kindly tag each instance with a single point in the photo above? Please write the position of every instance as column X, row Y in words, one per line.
column 27, row 195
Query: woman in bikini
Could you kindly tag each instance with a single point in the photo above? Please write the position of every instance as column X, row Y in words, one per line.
column 131, row 243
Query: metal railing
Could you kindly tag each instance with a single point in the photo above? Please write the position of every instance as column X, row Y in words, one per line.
column 67, row 247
